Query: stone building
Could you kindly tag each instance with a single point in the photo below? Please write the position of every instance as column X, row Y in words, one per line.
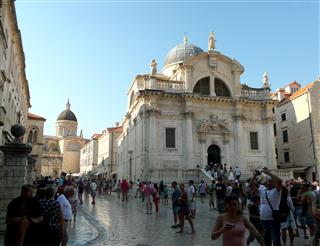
column 194, row 112
column 14, row 105
column 107, row 151
column 297, row 129
column 89, row 155
column 61, row 153
column 14, row 88
column 34, row 136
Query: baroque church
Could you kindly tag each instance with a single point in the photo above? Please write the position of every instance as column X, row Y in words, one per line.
column 61, row 153
column 193, row 112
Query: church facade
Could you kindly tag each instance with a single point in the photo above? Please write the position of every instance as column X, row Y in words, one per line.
column 194, row 112
column 61, row 153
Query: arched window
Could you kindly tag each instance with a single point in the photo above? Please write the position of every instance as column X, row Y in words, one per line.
column 202, row 86
column 220, row 88
column 30, row 137
column 33, row 135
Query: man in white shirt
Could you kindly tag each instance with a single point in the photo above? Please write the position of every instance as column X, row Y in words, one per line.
column 67, row 211
column 93, row 191
column 272, row 192
column 192, row 199
column 237, row 172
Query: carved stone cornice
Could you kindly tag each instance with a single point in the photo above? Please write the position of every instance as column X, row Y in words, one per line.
column 187, row 114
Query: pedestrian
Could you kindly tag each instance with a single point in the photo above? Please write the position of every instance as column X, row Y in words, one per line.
column 254, row 217
column 270, row 197
column 24, row 215
column 130, row 192
column 124, row 186
column 156, row 197
column 221, row 189
column 161, row 188
column 306, row 208
column 184, row 212
column 231, row 174
column 175, row 203
column 73, row 201
column 93, row 191
column 237, row 173
column 148, row 191
column 80, row 190
column 67, row 212
column 210, row 191
column 165, row 195
column 232, row 225
column 53, row 217
column 315, row 199
column 289, row 225
column 202, row 189
column 191, row 196
column 118, row 188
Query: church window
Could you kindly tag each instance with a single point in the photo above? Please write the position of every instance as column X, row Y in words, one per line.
column 285, row 136
column 220, row 88
column 170, row 137
column 274, row 129
column 254, row 141
column 283, row 117
column 33, row 136
column 202, row 86
column 286, row 156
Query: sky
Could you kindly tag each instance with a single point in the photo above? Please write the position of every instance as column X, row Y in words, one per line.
column 90, row 51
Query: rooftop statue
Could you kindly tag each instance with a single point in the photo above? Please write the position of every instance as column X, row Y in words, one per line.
column 153, row 67
column 266, row 80
column 211, row 42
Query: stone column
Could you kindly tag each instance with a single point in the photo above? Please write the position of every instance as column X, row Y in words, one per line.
column 13, row 170
column 212, row 87
column 238, row 142
column 189, row 160
column 204, row 159
column 152, row 138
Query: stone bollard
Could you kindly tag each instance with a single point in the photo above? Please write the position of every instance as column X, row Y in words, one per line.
column 13, row 170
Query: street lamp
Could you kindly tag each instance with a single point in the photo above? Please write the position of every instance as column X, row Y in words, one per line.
column 130, row 152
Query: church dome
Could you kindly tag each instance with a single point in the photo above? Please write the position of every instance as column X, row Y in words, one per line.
column 67, row 114
column 182, row 52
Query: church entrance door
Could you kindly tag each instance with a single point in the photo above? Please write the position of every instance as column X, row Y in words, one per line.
column 214, row 154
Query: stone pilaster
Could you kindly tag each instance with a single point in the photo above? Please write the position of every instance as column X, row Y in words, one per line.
column 152, row 138
column 13, row 170
column 189, row 161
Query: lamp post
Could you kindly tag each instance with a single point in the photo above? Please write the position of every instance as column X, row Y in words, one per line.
column 130, row 152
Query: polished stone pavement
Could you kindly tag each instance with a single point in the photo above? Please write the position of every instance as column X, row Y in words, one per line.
column 113, row 222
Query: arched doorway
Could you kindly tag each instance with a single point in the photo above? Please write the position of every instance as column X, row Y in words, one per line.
column 214, row 154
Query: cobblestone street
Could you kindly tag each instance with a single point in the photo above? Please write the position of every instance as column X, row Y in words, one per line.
column 112, row 222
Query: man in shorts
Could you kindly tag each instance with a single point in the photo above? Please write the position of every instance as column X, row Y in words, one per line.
column 175, row 203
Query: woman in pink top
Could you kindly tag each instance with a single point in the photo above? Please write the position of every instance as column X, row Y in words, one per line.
column 232, row 225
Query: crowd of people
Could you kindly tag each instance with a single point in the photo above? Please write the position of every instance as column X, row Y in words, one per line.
column 268, row 208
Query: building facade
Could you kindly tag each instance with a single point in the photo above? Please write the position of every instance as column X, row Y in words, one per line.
column 297, row 129
column 107, row 151
column 14, row 88
column 61, row 153
column 34, row 136
column 89, row 155
column 194, row 112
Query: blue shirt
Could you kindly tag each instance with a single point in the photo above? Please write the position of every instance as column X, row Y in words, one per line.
column 175, row 197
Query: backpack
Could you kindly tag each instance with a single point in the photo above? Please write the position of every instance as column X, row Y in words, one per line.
column 282, row 213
